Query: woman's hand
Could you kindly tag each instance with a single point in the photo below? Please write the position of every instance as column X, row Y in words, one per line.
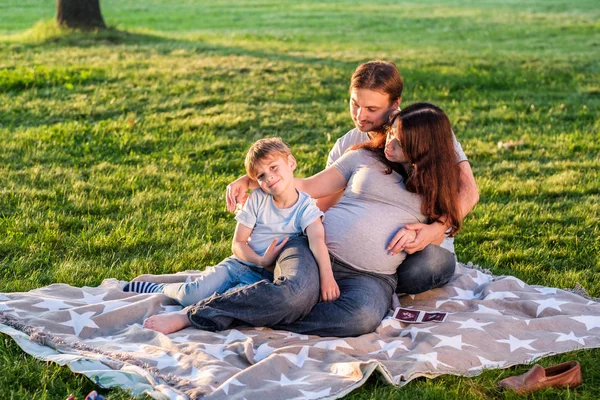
column 272, row 252
column 400, row 240
column 237, row 192
column 426, row 235
column 329, row 289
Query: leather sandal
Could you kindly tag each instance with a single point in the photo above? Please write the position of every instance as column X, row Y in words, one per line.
column 567, row 374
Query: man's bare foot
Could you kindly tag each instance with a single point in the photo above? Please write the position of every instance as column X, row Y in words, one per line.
column 168, row 323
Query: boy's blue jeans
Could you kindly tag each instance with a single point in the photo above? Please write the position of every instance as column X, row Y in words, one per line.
column 290, row 302
column 229, row 274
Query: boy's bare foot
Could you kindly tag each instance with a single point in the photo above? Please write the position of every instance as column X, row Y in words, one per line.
column 168, row 323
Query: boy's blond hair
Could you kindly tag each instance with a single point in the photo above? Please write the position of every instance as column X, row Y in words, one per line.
column 265, row 148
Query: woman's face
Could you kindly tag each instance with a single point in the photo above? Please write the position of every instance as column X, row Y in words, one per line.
column 393, row 150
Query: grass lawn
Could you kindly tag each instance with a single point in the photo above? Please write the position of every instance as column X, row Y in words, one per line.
column 116, row 147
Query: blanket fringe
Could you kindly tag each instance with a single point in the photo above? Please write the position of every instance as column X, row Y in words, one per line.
column 118, row 359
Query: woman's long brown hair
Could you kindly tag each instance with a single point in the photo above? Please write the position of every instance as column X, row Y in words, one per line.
column 426, row 138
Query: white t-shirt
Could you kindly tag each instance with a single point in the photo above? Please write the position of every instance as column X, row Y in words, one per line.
column 269, row 222
column 355, row 136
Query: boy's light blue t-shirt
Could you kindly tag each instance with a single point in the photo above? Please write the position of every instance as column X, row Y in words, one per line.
column 269, row 222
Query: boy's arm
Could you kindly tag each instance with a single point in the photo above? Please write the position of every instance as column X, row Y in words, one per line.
column 316, row 241
column 242, row 250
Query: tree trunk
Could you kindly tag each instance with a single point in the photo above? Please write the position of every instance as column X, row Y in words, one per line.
column 81, row 14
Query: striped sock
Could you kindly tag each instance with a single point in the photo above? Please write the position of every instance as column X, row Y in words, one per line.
column 141, row 287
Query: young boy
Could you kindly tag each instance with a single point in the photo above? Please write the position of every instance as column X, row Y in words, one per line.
column 273, row 213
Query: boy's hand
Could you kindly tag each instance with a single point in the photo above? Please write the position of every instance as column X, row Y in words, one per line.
column 400, row 240
column 272, row 252
column 329, row 290
column 237, row 192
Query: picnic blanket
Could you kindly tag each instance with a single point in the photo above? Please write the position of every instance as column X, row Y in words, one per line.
column 493, row 322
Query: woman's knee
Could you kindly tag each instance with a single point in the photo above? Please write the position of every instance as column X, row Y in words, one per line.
column 430, row 268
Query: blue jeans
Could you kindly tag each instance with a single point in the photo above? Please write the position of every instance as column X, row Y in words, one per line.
column 427, row 269
column 229, row 274
column 287, row 302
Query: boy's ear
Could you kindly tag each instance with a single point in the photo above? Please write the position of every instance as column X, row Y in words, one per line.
column 292, row 162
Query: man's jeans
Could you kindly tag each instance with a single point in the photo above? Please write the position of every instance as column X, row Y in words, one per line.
column 427, row 269
column 287, row 302
column 229, row 274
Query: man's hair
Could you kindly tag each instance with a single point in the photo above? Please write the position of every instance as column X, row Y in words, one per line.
column 264, row 148
column 382, row 76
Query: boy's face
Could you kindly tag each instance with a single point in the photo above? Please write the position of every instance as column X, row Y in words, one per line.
column 370, row 109
column 275, row 175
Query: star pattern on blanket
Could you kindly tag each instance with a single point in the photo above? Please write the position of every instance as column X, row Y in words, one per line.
column 430, row 358
column 570, row 336
column 590, row 322
column 389, row 347
column 334, row 344
column 516, row 343
column 259, row 363
column 300, row 358
column 89, row 298
column 52, row 305
column 472, row 324
column 548, row 303
column 487, row 364
column 217, row 351
column 451, row 341
column 414, row 331
column 80, row 321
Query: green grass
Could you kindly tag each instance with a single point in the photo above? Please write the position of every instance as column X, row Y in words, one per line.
column 116, row 146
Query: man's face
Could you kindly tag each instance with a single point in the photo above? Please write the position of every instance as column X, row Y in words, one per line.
column 370, row 109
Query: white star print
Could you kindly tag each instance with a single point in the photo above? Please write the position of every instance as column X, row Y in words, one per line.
column 590, row 321
column 333, row 344
column 414, row 331
column 545, row 290
column 181, row 339
column 535, row 356
column 164, row 360
column 440, row 302
column 113, row 305
column 300, row 358
column 315, row 395
column 294, row 335
column 4, row 298
column 472, row 324
column 501, row 296
column 231, row 381
column 206, row 372
column 217, row 351
column 481, row 309
column 389, row 347
column 429, row 358
column 235, row 335
column 4, row 307
column 487, row 364
column 285, row 381
column 389, row 321
column 464, row 294
column 571, row 336
column 548, row 303
column 517, row 343
column 481, row 278
column 92, row 299
column 80, row 321
column 451, row 341
column 263, row 351
column 52, row 304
